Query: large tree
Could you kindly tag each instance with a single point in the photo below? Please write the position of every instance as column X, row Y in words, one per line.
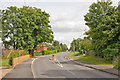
column 103, row 21
column 25, row 27
column 75, row 44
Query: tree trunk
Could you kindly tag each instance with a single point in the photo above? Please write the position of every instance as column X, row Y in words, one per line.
column 32, row 52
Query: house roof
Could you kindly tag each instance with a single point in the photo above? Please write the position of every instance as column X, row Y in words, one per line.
column 44, row 46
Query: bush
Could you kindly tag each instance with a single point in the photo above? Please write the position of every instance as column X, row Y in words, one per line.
column 37, row 51
column 116, row 63
column 46, row 52
column 18, row 53
column 80, row 51
column 10, row 61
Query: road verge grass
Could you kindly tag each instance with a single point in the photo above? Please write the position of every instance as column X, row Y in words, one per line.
column 4, row 62
column 94, row 60
column 72, row 54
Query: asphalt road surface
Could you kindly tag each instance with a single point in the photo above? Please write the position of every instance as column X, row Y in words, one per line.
column 63, row 68
column 43, row 68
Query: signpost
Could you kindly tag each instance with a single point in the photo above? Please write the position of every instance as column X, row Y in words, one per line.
column 53, row 56
column 52, row 48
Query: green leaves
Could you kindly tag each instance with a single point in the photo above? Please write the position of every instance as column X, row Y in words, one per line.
column 26, row 27
column 103, row 21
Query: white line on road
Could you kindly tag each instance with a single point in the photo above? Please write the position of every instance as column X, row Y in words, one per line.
column 59, row 63
column 53, row 61
column 32, row 67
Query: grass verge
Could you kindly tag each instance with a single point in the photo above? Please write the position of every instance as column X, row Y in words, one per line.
column 72, row 54
column 4, row 62
column 94, row 60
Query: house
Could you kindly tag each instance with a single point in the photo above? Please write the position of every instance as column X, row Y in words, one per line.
column 41, row 47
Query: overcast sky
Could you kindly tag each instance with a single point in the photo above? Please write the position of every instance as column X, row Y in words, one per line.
column 66, row 16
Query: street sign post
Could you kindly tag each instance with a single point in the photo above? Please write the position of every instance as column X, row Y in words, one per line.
column 53, row 57
column 52, row 48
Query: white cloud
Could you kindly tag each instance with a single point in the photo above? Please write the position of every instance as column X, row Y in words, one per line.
column 69, row 26
column 68, row 37
column 48, row 0
column 67, row 23
column 67, row 16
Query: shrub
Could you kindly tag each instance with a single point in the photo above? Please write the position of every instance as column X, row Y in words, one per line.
column 45, row 52
column 37, row 51
column 116, row 63
column 17, row 53
column 10, row 61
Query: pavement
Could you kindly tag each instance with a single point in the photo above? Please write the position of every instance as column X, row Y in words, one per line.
column 22, row 70
column 104, row 68
column 3, row 72
column 43, row 68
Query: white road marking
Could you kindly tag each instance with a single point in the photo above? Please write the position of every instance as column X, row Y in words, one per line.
column 59, row 64
column 32, row 67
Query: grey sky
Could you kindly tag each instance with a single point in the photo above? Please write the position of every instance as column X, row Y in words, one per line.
column 67, row 16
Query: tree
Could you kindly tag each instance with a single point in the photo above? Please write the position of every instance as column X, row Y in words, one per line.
column 26, row 27
column 64, row 47
column 0, row 26
column 103, row 21
column 59, row 46
column 55, row 43
column 75, row 44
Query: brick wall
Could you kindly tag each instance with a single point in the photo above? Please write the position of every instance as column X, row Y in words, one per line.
column 20, row 59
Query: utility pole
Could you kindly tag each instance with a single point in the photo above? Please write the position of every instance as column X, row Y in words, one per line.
column 73, row 45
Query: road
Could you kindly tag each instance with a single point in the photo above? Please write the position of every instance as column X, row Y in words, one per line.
column 63, row 68
column 59, row 69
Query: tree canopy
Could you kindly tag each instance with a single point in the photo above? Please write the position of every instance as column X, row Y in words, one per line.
column 59, row 46
column 25, row 27
column 104, row 23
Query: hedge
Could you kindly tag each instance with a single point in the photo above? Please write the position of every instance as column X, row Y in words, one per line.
column 45, row 52
column 116, row 63
column 15, row 54
column 37, row 51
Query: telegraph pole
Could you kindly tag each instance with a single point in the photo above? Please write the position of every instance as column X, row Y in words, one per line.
column 73, row 45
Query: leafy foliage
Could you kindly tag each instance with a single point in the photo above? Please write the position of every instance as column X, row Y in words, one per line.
column 103, row 21
column 81, row 44
column 45, row 52
column 59, row 46
column 17, row 53
column 116, row 62
column 26, row 27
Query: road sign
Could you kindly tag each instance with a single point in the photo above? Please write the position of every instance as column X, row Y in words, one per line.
column 52, row 48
